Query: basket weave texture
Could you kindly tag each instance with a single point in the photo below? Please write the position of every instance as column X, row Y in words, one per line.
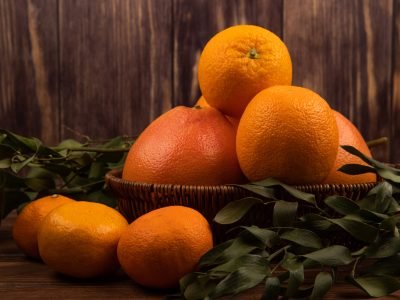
column 136, row 199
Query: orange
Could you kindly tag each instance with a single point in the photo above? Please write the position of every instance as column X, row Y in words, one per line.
column 349, row 135
column 202, row 102
column 239, row 62
column 26, row 226
column 193, row 146
column 163, row 245
column 288, row 133
column 80, row 239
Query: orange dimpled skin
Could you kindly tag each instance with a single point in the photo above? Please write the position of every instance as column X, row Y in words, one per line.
column 162, row 246
column 349, row 135
column 239, row 62
column 288, row 133
column 192, row 146
column 80, row 239
column 26, row 226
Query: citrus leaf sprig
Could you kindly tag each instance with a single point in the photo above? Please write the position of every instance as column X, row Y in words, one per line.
column 280, row 255
column 29, row 169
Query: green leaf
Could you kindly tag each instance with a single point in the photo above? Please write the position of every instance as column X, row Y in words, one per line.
column 262, row 191
column 21, row 142
column 323, row 283
column 196, row 286
column 390, row 224
column 379, row 199
column 316, row 222
column 240, row 280
column 69, row 143
column 389, row 175
column 265, row 236
column 303, row 237
column 296, row 275
column 272, row 289
column 384, row 247
column 377, row 286
column 240, row 246
column 212, row 256
column 5, row 163
column 97, row 170
column 284, row 213
column 248, row 261
column 341, row 204
column 271, row 182
column 336, row 255
column 356, row 169
column 386, row 266
column 235, row 210
column 16, row 167
column 39, row 184
column 359, row 230
column 361, row 155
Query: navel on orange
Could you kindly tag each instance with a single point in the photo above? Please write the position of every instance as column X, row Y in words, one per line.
column 26, row 226
column 163, row 245
column 288, row 133
column 239, row 62
column 349, row 135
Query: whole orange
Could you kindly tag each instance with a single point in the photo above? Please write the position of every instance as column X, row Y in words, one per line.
column 349, row 135
column 163, row 245
column 239, row 62
column 194, row 146
column 288, row 133
column 80, row 239
column 26, row 226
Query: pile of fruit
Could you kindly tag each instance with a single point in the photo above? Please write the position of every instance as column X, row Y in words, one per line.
column 250, row 124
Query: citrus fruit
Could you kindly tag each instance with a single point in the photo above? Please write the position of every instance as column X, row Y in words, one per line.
column 26, row 226
column 288, row 133
column 349, row 135
column 163, row 245
column 239, row 62
column 80, row 239
column 202, row 102
column 194, row 146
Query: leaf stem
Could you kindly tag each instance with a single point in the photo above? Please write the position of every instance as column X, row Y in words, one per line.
column 353, row 271
column 93, row 149
column 377, row 142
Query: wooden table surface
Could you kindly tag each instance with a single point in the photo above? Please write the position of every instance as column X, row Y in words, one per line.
column 22, row 278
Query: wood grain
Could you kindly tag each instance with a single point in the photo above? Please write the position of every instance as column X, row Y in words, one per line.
column 22, row 278
column 29, row 68
column 115, row 65
column 395, row 137
column 342, row 50
column 195, row 22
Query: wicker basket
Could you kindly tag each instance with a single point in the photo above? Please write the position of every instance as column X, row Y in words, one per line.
column 136, row 199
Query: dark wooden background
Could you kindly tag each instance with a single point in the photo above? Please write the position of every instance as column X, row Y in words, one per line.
column 108, row 67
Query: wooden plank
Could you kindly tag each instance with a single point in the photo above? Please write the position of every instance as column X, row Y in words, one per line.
column 115, row 61
column 342, row 50
column 29, row 68
column 20, row 277
column 195, row 22
column 395, row 138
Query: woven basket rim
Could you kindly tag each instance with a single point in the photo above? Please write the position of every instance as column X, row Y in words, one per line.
column 116, row 177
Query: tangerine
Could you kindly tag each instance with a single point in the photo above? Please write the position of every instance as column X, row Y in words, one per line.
column 163, row 245
column 239, row 62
